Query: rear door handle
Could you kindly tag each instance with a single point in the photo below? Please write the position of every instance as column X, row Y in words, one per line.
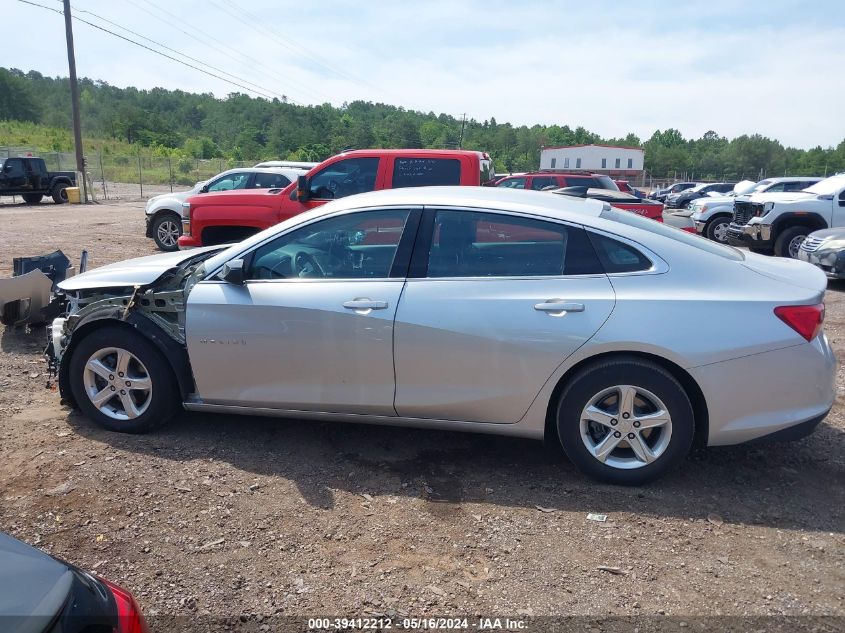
column 364, row 305
column 559, row 306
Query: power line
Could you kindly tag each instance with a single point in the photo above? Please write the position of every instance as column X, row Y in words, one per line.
column 259, row 89
column 291, row 45
column 317, row 96
column 152, row 50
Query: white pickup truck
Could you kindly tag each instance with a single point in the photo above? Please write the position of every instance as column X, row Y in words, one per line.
column 779, row 222
column 713, row 214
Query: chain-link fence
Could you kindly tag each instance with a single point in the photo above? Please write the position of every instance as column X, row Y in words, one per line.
column 114, row 176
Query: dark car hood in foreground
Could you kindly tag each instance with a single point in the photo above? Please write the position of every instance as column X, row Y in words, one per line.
column 33, row 587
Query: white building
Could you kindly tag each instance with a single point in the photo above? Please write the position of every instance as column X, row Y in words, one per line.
column 619, row 162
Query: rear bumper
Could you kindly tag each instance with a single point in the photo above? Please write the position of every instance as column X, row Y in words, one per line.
column 770, row 394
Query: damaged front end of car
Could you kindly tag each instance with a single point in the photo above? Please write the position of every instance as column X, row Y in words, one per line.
column 155, row 308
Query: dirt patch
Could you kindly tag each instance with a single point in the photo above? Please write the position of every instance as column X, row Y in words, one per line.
column 247, row 516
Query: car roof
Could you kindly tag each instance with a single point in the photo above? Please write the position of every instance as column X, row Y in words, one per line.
column 493, row 198
column 776, row 179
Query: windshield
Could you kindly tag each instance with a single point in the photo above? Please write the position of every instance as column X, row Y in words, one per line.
column 701, row 243
column 828, row 186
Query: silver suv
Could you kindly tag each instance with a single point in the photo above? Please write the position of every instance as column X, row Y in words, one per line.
column 164, row 212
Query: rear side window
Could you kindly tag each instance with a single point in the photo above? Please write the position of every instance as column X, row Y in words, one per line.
column 617, row 257
column 424, row 172
column 479, row 244
column 270, row 181
column 579, row 181
column 539, row 183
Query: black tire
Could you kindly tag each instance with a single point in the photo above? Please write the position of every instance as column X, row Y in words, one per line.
column 712, row 226
column 591, row 381
column 163, row 400
column 32, row 198
column 167, row 225
column 58, row 193
column 786, row 237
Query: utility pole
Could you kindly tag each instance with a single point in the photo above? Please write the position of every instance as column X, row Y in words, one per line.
column 463, row 125
column 74, row 100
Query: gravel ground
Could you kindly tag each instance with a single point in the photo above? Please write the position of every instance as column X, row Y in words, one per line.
column 253, row 517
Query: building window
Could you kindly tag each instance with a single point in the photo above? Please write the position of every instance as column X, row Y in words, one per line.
column 554, row 162
column 618, row 163
column 577, row 163
column 566, row 163
column 630, row 163
column 604, row 163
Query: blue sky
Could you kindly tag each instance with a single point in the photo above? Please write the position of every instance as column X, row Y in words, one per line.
column 774, row 68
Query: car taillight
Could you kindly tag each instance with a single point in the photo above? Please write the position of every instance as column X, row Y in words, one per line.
column 806, row 320
column 129, row 616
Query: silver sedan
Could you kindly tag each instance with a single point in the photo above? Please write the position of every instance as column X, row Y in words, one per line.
column 470, row 309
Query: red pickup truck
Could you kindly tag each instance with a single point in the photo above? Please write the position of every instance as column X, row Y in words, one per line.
column 227, row 216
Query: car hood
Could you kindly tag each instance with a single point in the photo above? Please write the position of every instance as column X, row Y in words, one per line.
column 790, row 271
column 782, row 196
column 140, row 271
column 711, row 200
column 31, row 584
column 824, row 234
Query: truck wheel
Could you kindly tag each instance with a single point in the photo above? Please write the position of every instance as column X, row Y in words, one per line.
column 59, row 194
column 32, row 198
column 717, row 229
column 167, row 229
column 789, row 241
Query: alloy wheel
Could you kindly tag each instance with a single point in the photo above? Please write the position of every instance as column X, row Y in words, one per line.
column 626, row 427
column 168, row 233
column 117, row 383
column 795, row 245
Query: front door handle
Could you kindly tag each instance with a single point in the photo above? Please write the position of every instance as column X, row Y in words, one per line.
column 558, row 307
column 364, row 305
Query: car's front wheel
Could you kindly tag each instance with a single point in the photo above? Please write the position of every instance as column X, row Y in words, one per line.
column 717, row 229
column 167, row 229
column 121, row 382
column 625, row 421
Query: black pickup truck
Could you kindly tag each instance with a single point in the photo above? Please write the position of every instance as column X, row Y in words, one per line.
column 28, row 178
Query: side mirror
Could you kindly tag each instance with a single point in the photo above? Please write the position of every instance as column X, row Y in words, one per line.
column 204, row 189
column 234, row 273
column 303, row 189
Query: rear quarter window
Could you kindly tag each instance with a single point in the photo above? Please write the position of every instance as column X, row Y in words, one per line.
column 424, row 172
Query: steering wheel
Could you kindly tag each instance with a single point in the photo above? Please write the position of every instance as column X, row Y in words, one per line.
column 306, row 266
column 333, row 186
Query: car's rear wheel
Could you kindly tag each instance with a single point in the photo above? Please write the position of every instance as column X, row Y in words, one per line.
column 32, row 198
column 717, row 229
column 59, row 194
column 167, row 229
column 625, row 421
column 790, row 240
column 121, row 382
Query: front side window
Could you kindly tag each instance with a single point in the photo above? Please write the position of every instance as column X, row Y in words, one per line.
column 480, row 244
column 345, row 178
column 230, row 182
column 425, row 172
column 352, row 246
column 512, row 183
